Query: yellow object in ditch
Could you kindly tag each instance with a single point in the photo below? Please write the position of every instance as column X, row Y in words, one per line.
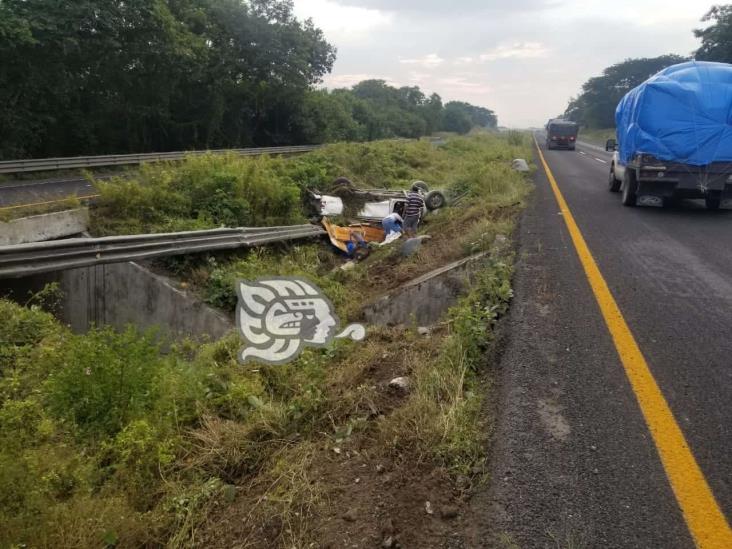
column 340, row 236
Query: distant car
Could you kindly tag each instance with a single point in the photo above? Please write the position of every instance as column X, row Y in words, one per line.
column 379, row 202
column 561, row 134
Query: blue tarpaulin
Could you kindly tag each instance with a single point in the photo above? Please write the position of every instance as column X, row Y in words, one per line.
column 682, row 114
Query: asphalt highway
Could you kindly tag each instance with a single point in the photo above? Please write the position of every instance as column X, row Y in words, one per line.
column 15, row 193
column 575, row 464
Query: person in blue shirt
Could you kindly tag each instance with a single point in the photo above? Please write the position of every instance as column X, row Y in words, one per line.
column 392, row 223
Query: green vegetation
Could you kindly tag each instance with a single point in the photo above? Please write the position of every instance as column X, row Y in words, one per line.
column 716, row 38
column 595, row 105
column 597, row 136
column 201, row 192
column 107, row 441
column 107, row 76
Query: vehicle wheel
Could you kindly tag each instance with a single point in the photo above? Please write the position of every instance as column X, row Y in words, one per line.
column 343, row 182
column 712, row 202
column 434, row 200
column 342, row 187
column 670, row 202
column 421, row 185
column 613, row 183
column 630, row 188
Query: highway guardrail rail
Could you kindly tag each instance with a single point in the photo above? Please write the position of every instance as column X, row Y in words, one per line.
column 75, row 162
column 40, row 257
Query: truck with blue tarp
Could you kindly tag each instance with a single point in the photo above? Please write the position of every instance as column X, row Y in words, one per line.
column 674, row 137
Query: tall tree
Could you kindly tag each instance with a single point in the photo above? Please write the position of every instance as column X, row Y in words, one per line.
column 595, row 106
column 716, row 39
column 95, row 76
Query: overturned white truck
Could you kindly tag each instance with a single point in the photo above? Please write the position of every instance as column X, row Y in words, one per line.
column 675, row 137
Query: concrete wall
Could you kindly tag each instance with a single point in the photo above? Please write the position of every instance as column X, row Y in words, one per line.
column 49, row 226
column 424, row 300
column 125, row 293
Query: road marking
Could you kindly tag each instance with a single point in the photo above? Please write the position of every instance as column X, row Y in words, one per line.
column 600, row 160
column 706, row 522
column 583, row 152
column 49, row 202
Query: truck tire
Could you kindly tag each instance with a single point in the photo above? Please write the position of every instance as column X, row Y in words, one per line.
column 630, row 188
column 613, row 182
column 712, row 202
column 421, row 185
column 434, row 200
column 342, row 182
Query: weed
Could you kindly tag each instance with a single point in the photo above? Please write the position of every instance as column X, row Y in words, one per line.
column 106, row 441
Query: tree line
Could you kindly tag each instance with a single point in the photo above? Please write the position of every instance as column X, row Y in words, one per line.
column 595, row 106
column 115, row 76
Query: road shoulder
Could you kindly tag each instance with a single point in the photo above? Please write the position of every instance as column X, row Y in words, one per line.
column 573, row 463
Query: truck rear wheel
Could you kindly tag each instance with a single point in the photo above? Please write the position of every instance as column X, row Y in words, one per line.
column 712, row 202
column 613, row 183
column 630, row 188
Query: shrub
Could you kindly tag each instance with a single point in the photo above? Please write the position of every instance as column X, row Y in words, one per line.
column 102, row 380
column 139, row 453
column 201, row 192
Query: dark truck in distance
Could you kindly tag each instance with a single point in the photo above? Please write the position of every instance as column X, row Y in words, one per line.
column 673, row 137
column 561, row 134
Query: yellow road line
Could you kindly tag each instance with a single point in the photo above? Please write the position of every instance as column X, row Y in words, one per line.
column 48, row 202
column 704, row 518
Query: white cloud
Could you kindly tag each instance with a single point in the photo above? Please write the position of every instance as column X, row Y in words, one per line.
column 517, row 50
column 466, row 60
column 429, row 61
column 462, row 6
column 457, row 85
column 341, row 22
column 348, row 80
column 524, row 58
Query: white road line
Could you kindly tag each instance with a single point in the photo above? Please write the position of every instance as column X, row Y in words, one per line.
column 583, row 152
column 600, row 160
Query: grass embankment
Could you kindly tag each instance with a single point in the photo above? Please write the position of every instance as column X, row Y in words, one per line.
column 596, row 136
column 104, row 440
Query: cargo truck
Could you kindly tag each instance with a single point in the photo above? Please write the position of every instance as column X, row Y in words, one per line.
column 561, row 134
column 674, row 137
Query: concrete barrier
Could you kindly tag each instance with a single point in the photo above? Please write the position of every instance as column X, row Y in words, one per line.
column 50, row 226
column 127, row 293
column 424, row 300
column 119, row 294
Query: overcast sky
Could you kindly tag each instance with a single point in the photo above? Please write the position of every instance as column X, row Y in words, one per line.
column 522, row 58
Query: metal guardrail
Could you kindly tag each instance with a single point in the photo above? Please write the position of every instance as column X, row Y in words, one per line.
column 57, row 255
column 47, row 164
